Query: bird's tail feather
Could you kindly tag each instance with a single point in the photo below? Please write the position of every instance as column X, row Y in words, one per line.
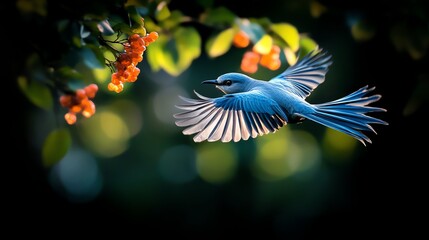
column 347, row 114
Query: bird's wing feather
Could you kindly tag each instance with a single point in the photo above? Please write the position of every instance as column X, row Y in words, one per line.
column 303, row 77
column 231, row 117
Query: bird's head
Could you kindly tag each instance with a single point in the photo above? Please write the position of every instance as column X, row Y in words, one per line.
column 231, row 82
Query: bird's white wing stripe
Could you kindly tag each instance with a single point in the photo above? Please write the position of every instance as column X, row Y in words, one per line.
column 245, row 130
column 217, row 132
column 191, row 107
column 229, row 119
column 252, row 124
column 193, row 118
column 237, row 127
column 263, row 127
column 267, row 120
column 206, row 131
column 257, row 124
column 228, row 129
column 201, row 124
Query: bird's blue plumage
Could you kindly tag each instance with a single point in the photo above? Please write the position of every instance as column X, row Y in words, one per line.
column 251, row 107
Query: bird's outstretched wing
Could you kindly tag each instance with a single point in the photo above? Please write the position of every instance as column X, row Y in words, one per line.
column 230, row 117
column 306, row 74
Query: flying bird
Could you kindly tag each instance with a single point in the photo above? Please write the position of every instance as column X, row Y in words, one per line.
column 252, row 107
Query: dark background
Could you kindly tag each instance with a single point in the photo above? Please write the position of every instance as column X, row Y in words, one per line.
column 386, row 184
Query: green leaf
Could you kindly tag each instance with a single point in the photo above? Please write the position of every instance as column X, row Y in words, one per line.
column 123, row 27
column 162, row 12
column 169, row 58
column 264, row 45
column 134, row 15
column 150, row 25
column 288, row 33
column 56, row 146
column 153, row 53
column 205, row 3
column 141, row 30
column 163, row 54
column 67, row 72
column 92, row 56
column 189, row 40
column 307, row 45
column 218, row 16
column 176, row 17
column 188, row 43
column 175, row 54
column 221, row 43
column 119, row 24
column 39, row 94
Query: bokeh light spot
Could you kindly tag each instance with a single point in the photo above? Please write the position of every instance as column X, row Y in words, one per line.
column 113, row 126
column 338, row 146
column 164, row 103
column 77, row 177
column 272, row 158
column 285, row 154
column 177, row 164
column 216, row 162
column 101, row 75
column 106, row 133
column 130, row 114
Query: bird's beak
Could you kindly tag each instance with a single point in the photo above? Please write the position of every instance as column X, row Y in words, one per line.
column 210, row 82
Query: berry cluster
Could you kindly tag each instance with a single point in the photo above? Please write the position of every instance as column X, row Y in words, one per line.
column 79, row 102
column 251, row 59
column 126, row 62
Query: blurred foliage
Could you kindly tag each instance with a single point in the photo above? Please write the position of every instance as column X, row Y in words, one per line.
column 56, row 146
column 404, row 24
column 91, row 39
column 131, row 154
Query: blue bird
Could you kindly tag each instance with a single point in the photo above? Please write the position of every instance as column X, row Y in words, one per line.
column 252, row 107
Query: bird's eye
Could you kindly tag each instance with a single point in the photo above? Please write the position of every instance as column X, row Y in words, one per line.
column 228, row 82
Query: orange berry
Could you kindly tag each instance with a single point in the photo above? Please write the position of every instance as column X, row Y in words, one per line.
column 119, row 88
column 153, row 35
column 91, row 90
column 111, row 86
column 115, row 87
column 252, row 57
column 66, row 100
column 136, row 57
column 76, row 109
column 249, row 67
column 150, row 38
column 80, row 94
column 123, row 59
column 70, row 118
column 272, row 59
column 89, row 109
column 249, row 63
column 126, row 74
column 138, row 43
column 115, row 79
column 265, row 60
column 275, row 49
column 134, row 37
column 241, row 39
column 274, row 64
